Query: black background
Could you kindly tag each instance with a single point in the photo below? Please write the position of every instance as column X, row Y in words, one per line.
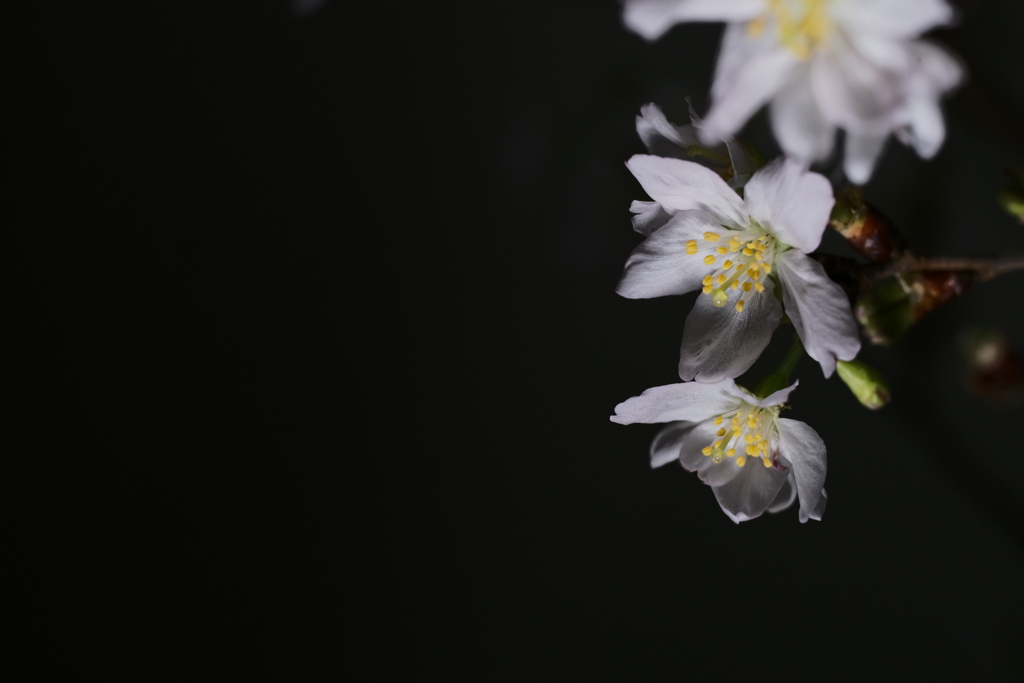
column 320, row 342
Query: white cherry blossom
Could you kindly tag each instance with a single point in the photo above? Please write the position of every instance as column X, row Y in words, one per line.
column 753, row 459
column 731, row 159
column 822, row 65
column 737, row 251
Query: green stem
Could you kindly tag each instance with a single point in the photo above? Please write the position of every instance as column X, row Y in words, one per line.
column 780, row 378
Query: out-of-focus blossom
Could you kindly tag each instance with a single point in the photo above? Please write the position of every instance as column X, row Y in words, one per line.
column 822, row 65
column 736, row 443
column 737, row 251
column 306, row 7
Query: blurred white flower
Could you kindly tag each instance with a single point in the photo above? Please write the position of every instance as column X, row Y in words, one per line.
column 822, row 65
column 306, row 7
column 737, row 444
column 736, row 251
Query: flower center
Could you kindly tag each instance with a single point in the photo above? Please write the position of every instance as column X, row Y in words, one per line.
column 750, row 429
column 802, row 26
column 747, row 263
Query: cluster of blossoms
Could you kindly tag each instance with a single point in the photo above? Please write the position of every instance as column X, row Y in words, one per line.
column 742, row 231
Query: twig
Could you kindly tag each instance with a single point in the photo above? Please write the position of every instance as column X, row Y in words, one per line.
column 986, row 268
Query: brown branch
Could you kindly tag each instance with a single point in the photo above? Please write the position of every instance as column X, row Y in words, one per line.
column 906, row 262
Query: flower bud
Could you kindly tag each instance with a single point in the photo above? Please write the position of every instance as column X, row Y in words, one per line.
column 889, row 308
column 995, row 370
column 866, row 228
column 885, row 311
column 866, row 383
column 1012, row 198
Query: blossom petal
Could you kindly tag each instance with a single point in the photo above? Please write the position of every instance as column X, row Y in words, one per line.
column 683, row 185
column 688, row 401
column 792, row 203
column 862, row 152
column 750, row 493
column 719, row 343
column 819, row 310
column 662, row 138
column 854, row 93
column 649, row 217
column 926, row 128
column 651, row 18
column 805, row 451
column 943, row 70
column 799, row 124
column 786, row 495
column 692, row 457
column 750, row 86
column 903, row 19
column 660, row 266
column 665, row 447
column 778, row 398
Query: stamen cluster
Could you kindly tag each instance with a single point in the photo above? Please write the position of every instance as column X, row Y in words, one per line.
column 754, row 253
column 751, row 428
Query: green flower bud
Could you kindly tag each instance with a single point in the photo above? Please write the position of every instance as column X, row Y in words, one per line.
column 1012, row 198
column 866, row 383
column 885, row 311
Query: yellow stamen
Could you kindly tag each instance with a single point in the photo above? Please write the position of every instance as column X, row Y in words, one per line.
column 712, row 236
column 691, row 247
column 741, row 461
column 709, row 259
column 739, row 306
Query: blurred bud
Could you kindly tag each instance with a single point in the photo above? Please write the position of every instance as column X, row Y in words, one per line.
column 866, row 383
column 885, row 311
column 1012, row 197
column 866, row 228
column 888, row 309
column 995, row 371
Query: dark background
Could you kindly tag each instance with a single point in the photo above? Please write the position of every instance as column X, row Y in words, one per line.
column 317, row 341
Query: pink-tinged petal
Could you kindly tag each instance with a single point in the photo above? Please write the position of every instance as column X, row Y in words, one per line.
column 651, row 18
column 804, row 451
column 791, row 202
column 892, row 18
column 750, row 493
column 649, row 217
column 799, row 124
column 692, row 457
column 660, row 266
column 665, row 447
column 785, row 496
column 819, row 309
column 719, row 343
column 750, row 86
column 688, row 401
column 861, row 155
column 683, row 186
